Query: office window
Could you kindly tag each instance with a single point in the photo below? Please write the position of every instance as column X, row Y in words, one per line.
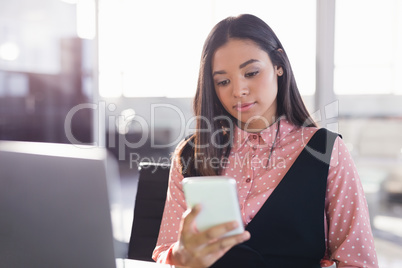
column 153, row 48
column 368, row 47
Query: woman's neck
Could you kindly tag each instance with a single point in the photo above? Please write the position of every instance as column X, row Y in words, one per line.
column 256, row 127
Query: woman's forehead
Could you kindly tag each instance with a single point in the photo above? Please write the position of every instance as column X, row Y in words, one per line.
column 237, row 51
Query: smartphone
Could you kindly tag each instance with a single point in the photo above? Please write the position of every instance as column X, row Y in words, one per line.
column 218, row 198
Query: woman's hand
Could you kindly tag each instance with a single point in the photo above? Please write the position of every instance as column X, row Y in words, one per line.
column 202, row 249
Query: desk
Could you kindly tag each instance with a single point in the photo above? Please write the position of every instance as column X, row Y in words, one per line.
column 127, row 263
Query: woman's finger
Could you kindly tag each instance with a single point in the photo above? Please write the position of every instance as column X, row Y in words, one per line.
column 213, row 233
column 188, row 219
column 222, row 245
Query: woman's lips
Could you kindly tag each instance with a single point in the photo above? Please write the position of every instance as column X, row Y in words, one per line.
column 242, row 107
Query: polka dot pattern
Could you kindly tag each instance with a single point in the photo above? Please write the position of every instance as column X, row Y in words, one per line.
column 348, row 230
column 258, row 172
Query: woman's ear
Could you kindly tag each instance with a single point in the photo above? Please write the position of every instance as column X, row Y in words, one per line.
column 279, row 70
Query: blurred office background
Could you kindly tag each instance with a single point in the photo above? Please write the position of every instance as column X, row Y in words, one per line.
column 122, row 74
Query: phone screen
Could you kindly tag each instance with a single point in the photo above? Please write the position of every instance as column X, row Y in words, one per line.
column 217, row 196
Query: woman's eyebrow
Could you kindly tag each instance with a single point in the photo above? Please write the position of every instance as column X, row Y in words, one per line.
column 244, row 64
column 218, row 72
column 247, row 63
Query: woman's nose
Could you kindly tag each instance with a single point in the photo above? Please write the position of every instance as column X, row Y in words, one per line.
column 240, row 89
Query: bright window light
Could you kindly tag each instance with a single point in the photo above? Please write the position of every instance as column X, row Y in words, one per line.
column 70, row 1
column 368, row 47
column 110, row 84
column 86, row 19
column 9, row 51
column 155, row 46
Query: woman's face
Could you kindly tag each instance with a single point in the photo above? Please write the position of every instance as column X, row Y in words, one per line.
column 246, row 83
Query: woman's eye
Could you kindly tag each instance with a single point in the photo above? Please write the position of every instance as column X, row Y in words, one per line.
column 223, row 83
column 251, row 74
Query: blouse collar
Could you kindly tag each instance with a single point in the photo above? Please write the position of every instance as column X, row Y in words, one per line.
column 267, row 135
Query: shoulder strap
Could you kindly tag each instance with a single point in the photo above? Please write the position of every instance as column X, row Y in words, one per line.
column 321, row 144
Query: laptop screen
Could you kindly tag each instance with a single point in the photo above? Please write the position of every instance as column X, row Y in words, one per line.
column 54, row 206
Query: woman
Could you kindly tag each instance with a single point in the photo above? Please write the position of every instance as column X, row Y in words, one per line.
column 299, row 192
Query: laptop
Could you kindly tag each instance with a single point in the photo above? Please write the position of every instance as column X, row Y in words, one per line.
column 55, row 205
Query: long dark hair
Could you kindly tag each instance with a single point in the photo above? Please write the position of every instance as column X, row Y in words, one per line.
column 214, row 129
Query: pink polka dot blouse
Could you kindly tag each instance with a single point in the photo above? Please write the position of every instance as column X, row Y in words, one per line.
column 349, row 240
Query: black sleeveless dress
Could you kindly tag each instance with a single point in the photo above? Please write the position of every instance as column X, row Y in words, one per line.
column 288, row 231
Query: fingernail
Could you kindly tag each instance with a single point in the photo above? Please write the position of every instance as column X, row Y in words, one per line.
column 246, row 235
